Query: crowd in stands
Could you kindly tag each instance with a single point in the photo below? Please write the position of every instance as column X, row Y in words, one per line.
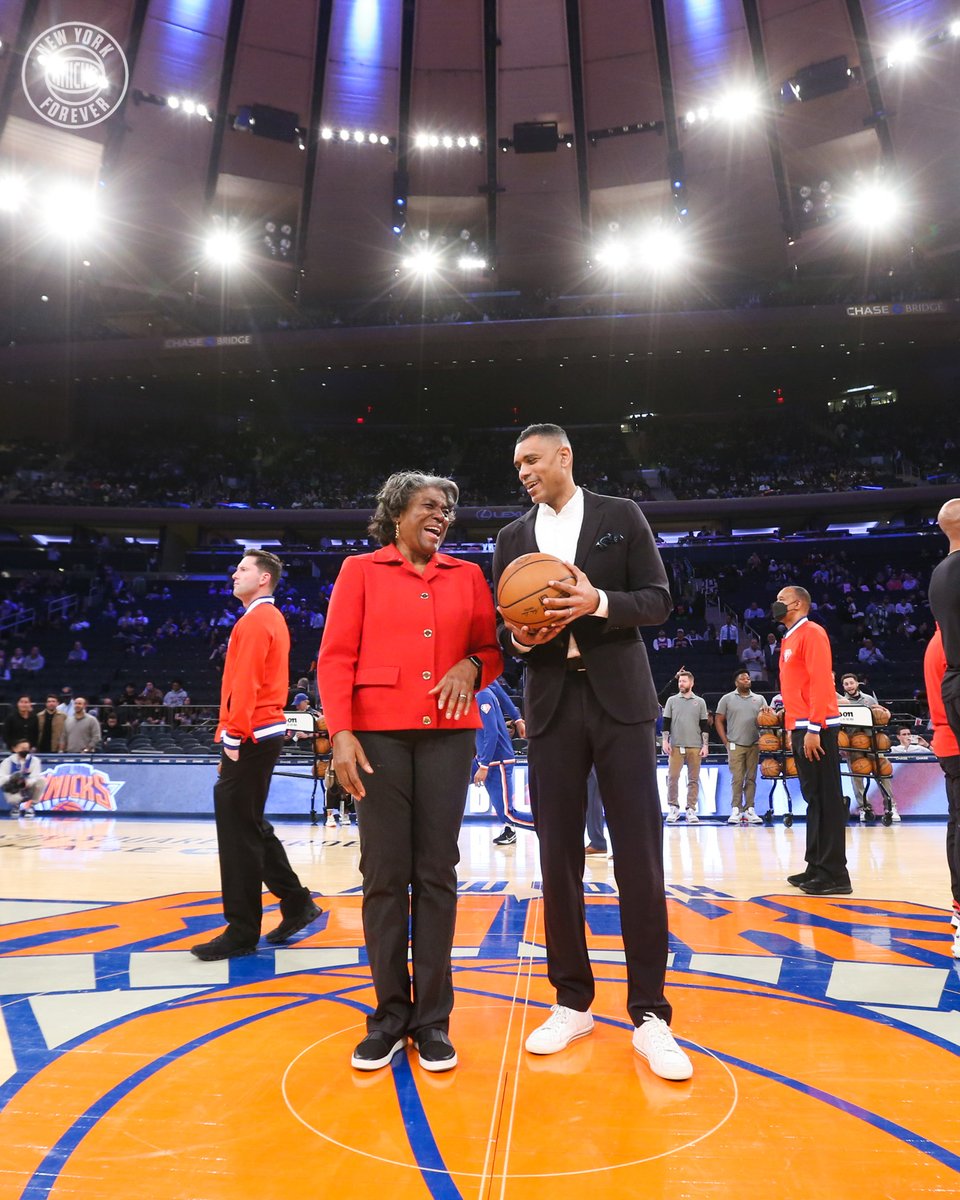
column 341, row 468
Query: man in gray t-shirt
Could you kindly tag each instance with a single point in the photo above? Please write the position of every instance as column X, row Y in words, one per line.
column 685, row 736
column 81, row 731
column 737, row 726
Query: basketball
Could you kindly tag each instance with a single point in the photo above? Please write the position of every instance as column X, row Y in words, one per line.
column 881, row 715
column 860, row 741
column 321, row 741
column 843, row 739
column 769, row 768
column 525, row 584
column 789, row 765
column 768, row 718
column 769, row 742
column 884, row 766
column 883, row 742
column 861, row 766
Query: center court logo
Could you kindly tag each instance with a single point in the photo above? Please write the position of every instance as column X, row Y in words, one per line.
column 75, row 75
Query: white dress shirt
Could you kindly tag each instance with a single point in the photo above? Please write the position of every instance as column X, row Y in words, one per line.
column 558, row 533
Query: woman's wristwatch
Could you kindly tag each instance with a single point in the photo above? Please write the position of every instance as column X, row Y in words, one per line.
column 478, row 663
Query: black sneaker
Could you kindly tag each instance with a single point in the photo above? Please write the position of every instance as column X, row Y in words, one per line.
column 507, row 838
column 222, row 946
column 801, row 879
column 375, row 1051
column 435, row 1049
column 826, row 887
column 293, row 924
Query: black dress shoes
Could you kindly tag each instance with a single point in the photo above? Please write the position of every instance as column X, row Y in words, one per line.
column 375, row 1051
column 826, row 887
column 435, row 1050
column 294, row 923
column 222, row 946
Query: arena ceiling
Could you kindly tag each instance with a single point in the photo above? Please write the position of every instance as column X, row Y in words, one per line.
column 536, row 136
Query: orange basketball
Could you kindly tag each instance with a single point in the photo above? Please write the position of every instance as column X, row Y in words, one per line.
column 789, row 765
column 884, row 766
column 883, row 742
column 768, row 741
column 525, row 584
column 881, row 715
column 768, row 718
column 320, row 766
column 861, row 766
column 769, row 768
column 843, row 739
column 860, row 741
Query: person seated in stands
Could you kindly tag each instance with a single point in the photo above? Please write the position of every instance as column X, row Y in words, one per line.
column 176, row 697
column 4, row 667
column 681, row 641
column 77, row 654
column 869, row 654
column 147, row 649
column 80, row 625
column 217, row 655
column 66, row 702
column 115, row 733
column 150, row 695
column 662, row 642
column 21, row 779
column 909, row 742
column 753, row 612
column 34, row 661
column 168, row 629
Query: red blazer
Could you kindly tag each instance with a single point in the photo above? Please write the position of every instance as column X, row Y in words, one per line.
column 392, row 634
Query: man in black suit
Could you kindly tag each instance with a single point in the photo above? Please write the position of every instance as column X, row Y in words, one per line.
column 590, row 702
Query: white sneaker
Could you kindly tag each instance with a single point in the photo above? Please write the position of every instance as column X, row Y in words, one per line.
column 752, row 818
column 734, row 818
column 331, row 821
column 956, row 944
column 653, row 1041
column 673, row 816
column 692, row 818
column 894, row 815
column 563, row 1026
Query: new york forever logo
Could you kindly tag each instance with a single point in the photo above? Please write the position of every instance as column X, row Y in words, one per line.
column 75, row 75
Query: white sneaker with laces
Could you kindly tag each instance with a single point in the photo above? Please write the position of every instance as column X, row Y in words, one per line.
column 331, row 821
column 894, row 815
column 653, row 1041
column 734, row 818
column 752, row 818
column 563, row 1026
column 692, row 818
column 673, row 816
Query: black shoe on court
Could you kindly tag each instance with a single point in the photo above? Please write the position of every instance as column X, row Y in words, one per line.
column 375, row 1051
column 435, row 1050
column 222, row 946
column 294, row 923
column 507, row 838
column 826, row 887
column 800, row 879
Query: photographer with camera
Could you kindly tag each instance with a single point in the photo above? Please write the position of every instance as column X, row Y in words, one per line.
column 21, row 779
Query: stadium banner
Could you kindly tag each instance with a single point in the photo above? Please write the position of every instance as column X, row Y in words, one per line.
column 111, row 784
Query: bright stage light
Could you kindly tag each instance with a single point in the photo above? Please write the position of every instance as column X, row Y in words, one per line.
column 739, row 104
column 359, row 136
column 422, row 261
column 223, row 248
column 326, row 133
column 661, row 250
column 69, row 211
column 189, row 106
column 875, row 207
column 422, row 141
column 613, row 255
column 473, row 142
column 13, row 192
column 173, row 101
column 344, row 135
column 471, row 262
column 954, row 29
column 903, row 53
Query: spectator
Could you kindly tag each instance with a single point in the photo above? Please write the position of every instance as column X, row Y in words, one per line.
column 34, row 661
column 771, row 659
column 729, row 637
column 4, row 667
column 81, row 731
column 753, row 612
column 752, row 659
column 176, row 697
column 869, row 654
column 21, row 724
column 50, row 722
column 66, row 701
column 16, row 661
column 662, row 642
column 77, row 654
column 909, row 742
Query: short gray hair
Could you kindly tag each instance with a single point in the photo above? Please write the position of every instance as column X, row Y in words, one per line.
column 394, row 498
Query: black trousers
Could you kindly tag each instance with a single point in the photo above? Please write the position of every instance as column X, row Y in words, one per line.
column 951, row 778
column 251, row 854
column 580, row 736
column 409, row 823
column 826, row 807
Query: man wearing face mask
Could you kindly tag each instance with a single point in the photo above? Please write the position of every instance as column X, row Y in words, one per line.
column 812, row 717
column 21, row 778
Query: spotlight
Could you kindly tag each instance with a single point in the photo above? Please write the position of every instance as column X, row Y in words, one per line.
column 223, row 248
column 875, row 208
column 903, row 53
column 448, row 142
column 613, row 255
column 433, row 141
column 13, row 192
column 691, row 117
column 344, row 135
column 422, row 141
column 372, row 138
column 461, row 143
column 326, row 133
column 384, row 140
column 69, row 211
column 190, row 107
column 954, row 29
column 474, row 141
column 422, row 261
column 661, row 250
column 739, row 104
column 359, row 135
column 173, row 102
column 471, row 262
column 202, row 110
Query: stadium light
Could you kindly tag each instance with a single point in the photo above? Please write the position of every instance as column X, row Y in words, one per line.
column 903, row 53
column 69, row 211
column 223, row 248
column 614, row 255
column 661, row 250
column 875, row 207
column 423, row 262
column 738, row 104
column 471, row 262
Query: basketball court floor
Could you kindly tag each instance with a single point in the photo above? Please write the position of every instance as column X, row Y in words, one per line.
column 824, row 1032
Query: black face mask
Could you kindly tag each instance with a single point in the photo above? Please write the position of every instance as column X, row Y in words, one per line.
column 778, row 610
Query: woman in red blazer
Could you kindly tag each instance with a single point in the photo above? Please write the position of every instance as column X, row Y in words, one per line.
column 410, row 638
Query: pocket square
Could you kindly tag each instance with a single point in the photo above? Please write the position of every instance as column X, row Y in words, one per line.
column 609, row 539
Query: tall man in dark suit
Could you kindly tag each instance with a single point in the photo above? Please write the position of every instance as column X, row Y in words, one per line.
column 590, row 701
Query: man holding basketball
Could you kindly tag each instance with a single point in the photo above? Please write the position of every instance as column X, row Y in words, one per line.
column 590, row 702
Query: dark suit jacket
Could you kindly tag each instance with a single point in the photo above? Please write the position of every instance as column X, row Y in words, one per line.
column 617, row 553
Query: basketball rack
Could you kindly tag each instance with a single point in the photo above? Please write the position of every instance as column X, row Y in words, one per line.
column 863, row 719
column 305, row 722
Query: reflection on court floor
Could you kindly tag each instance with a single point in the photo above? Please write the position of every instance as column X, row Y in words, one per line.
column 824, row 1033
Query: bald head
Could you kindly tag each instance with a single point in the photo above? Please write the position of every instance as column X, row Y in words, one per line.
column 948, row 518
column 795, row 595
